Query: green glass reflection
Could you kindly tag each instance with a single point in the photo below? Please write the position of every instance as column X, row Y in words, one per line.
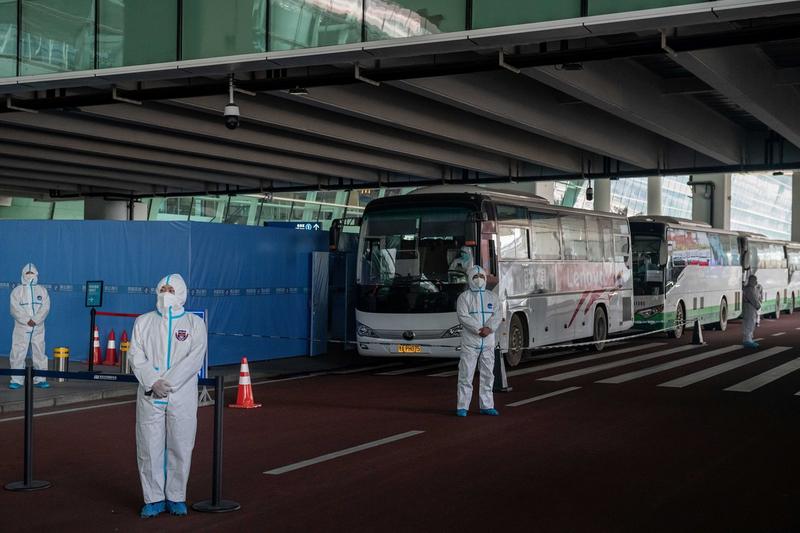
column 57, row 36
column 392, row 19
column 137, row 32
column 599, row 7
column 217, row 28
column 310, row 23
column 493, row 13
column 8, row 38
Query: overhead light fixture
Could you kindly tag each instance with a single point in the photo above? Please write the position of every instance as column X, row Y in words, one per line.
column 571, row 66
column 298, row 91
column 777, row 173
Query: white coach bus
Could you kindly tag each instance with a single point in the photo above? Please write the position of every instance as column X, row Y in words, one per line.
column 684, row 271
column 561, row 274
column 775, row 264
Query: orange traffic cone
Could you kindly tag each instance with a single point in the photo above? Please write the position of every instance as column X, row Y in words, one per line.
column 244, row 397
column 96, row 347
column 111, row 350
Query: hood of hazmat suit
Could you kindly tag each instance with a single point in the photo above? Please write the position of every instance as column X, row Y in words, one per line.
column 27, row 279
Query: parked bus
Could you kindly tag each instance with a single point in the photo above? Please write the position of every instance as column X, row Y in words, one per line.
column 560, row 274
column 769, row 260
column 684, row 271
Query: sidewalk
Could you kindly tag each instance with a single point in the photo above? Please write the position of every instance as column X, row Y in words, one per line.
column 71, row 392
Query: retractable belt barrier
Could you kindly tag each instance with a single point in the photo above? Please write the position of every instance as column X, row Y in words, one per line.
column 215, row 505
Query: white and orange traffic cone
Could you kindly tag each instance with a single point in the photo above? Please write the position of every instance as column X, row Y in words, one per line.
column 96, row 347
column 111, row 350
column 244, row 396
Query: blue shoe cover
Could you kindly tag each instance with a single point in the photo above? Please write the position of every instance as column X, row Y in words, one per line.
column 490, row 412
column 42, row 385
column 751, row 345
column 461, row 412
column 14, row 386
column 152, row 509
column 177, row 508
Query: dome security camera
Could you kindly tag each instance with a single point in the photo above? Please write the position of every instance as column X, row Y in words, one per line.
column 231, row 116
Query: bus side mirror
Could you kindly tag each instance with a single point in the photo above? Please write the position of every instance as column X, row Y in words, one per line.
column 746, row 260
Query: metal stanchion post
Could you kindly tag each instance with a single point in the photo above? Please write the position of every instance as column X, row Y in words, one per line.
column 500, row 377
column 28, row 484
column 91, row 339
column 216, row 504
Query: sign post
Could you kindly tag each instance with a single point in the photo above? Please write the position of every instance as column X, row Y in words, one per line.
column 94, row 299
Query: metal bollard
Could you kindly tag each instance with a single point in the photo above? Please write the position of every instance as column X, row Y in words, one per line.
column 124, row 366
column 61, row 359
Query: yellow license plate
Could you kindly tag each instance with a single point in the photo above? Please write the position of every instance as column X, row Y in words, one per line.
column 409, row 348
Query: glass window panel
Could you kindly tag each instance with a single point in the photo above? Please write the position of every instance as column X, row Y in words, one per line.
column 507, row 244
column 309, row 23
column 594, row 239
column 599, row 7
column 491, row 13
column 8, row 38
column 393, row 19
column 57, row 36
column 546, row 236
column 217, row 28
column 137, row 32
column 608, row 239
column 574, row 230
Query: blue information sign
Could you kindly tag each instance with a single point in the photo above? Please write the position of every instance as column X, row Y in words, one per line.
column 94, row 294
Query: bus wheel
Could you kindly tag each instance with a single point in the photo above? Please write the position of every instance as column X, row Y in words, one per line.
column 516, row 341
column 723, row 315
column 680, row 317
column 600, row 329
column 777, row 306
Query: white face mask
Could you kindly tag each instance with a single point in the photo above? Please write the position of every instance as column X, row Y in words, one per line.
column 167, row 300
column 29, row 277
column 480, row 283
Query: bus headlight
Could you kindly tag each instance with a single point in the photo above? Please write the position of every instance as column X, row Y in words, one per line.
column 365, row 331
column 647, row 313
column 455, row 331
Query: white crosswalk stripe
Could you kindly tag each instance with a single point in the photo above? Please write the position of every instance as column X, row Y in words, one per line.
column 779, row 334
column 629, row 376
column 582, row 359
column 749, row 385
column 415, row 369
column 615, row 364
column 724, row 367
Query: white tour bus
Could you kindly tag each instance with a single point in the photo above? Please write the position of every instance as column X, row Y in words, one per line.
column 560, row 274
column 684, row 271
column 775, row 264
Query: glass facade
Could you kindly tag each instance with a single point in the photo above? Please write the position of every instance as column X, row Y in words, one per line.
column 491, row 13
column 8, row 38
column 56, row 36
column 218, row 28
column 408, row 18
column 137, row 32
column 762, row 203
column 310, row 23
column 59, row 35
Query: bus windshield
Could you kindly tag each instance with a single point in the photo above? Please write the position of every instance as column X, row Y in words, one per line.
column 648, row 275
column 414, row 260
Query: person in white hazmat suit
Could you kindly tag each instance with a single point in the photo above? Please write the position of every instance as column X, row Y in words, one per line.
column 463, row 261
column 167, row 350
column 479, row 315
column 30, row 305
column 751, row 296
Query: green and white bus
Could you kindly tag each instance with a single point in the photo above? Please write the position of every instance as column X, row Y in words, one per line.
column 684, row 271
column 775, row 264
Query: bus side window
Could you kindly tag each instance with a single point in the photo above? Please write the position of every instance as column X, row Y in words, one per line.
column 488, row 254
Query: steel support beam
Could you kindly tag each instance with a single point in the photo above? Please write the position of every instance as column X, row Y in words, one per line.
column 633, row 93
column 745, row 75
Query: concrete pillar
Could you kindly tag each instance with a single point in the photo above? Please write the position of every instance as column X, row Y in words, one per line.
column 712, row 194
column 654, row 196
column 602, row 194
column 101, row 209
column 796, row 206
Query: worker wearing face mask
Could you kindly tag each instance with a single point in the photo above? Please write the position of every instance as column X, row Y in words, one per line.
column 479, row 315
column 30, row 305
column 168, row 347
column 463, row 261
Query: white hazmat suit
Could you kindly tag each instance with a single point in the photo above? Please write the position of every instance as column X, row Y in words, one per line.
column 477, row 308
column 463, row 261
column 29, row 303
column 167, row 350
column 751, row 296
